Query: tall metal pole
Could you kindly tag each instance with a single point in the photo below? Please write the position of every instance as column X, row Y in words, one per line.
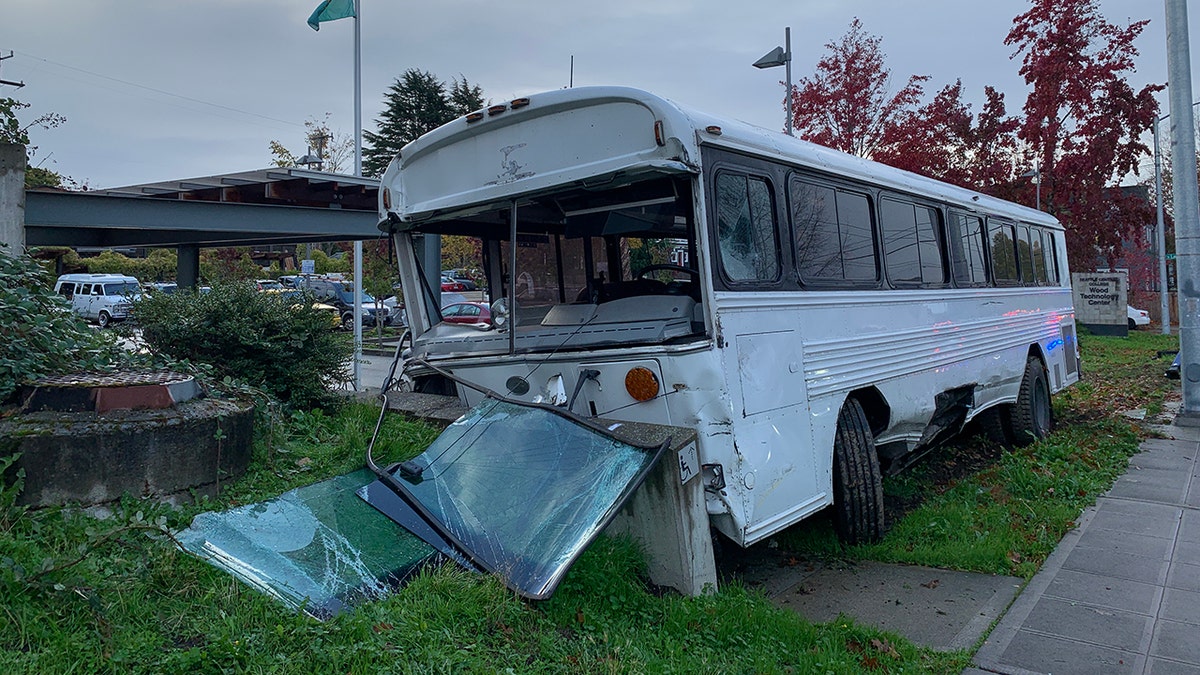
column 787, row 62
column 1187, row 206
column 1160, row 236
column 1037, row 177
column 358, row 247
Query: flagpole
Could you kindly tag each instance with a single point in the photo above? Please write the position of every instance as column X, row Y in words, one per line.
column 358, row 247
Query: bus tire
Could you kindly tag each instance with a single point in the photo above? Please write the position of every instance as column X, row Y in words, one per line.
column 857, row 482
column 996, row 422
column 103, row 319
column 1032, row 416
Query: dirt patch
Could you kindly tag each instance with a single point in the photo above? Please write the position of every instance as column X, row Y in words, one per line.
column 963, row 456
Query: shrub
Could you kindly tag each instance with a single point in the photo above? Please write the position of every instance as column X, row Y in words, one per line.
column 277, row 343
column 39, row 334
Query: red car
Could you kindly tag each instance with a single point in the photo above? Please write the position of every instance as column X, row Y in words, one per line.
column 467, row 312
column 450, row 285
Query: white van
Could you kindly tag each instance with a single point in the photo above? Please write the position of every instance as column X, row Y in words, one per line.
column 102, row 298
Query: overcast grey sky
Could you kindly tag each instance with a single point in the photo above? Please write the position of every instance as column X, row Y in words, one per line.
column 165, row 89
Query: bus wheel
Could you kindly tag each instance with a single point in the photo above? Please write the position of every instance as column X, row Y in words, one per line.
column 996, row 422
column 103, row 319
column 857, row 483
column 1032, row 415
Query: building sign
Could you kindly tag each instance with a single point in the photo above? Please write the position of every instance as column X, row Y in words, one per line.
column 1100, row 301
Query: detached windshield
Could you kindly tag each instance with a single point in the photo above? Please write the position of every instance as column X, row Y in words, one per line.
column 524, row 490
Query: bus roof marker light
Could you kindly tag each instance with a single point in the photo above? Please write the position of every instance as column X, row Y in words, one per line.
column 713, row 129
column 659, row 137
column 519, row 102
column 496, row 110
column 475, row 116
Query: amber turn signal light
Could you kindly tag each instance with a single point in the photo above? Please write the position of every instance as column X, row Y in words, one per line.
column 641, row 383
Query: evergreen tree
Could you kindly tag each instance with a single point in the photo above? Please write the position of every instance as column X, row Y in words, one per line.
column 465, row 98
column 416, row 103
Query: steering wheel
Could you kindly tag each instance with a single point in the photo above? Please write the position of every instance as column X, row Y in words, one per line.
column 695, row 274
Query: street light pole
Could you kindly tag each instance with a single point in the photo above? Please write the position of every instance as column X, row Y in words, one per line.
column 1160, row 235
column 1187, row 207
column 787, row 57
column 1036, row 174
column 782, row 56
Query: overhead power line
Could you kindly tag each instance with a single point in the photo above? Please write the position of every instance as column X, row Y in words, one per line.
column 159, row 91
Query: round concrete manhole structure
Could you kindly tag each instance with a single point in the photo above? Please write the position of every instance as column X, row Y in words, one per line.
column 89, row 439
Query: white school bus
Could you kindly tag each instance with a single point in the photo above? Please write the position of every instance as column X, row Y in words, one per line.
column 818, row 319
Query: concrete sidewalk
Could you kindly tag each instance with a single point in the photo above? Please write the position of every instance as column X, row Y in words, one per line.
column 1121, row 592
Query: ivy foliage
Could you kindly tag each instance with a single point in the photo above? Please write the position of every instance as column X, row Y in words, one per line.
column 274, row 342
column 39, row 334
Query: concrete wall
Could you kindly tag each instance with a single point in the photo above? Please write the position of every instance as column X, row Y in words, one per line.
column 85, row 458
column 12, row 196
column 668, row 517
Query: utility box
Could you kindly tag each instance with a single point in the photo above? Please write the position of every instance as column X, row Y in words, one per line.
column 1101, row 302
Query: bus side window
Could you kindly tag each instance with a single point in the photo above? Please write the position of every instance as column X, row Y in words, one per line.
column 815, row 231
column 749, row 248
column 1039, row 256
column 1052, row 267
column 1025, row 255
column 900, row 253
column 967, row 261
column 858, row 237
column 911, row 247
column 67, row 290
column 929, row 239
column 833, row 232
column 1004, row 253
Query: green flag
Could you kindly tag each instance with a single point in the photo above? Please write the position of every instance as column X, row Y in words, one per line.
column 331, row 10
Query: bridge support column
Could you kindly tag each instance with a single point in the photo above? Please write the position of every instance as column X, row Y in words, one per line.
column 187, row 270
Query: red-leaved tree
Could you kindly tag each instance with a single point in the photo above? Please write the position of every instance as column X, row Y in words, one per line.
column 943, row 140
column 846, row 105
column 1084, row 121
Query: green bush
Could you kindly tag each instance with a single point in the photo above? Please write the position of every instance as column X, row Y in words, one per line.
column 39, row 334
column 266, row 340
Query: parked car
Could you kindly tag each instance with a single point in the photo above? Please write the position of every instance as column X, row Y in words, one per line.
column 268, row 285
column 467, row 312
column 1137, row 317
column 298, row 297
column 463, row 278
column 395, row 308
column 449, row 284
column 340, row 294
column 164, row 287
column 102, row 298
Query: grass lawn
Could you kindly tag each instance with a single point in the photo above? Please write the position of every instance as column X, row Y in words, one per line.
column 86, row 596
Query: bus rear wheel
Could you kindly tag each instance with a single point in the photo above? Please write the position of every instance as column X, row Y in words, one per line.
column 1032, row 417
column 857, row 482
